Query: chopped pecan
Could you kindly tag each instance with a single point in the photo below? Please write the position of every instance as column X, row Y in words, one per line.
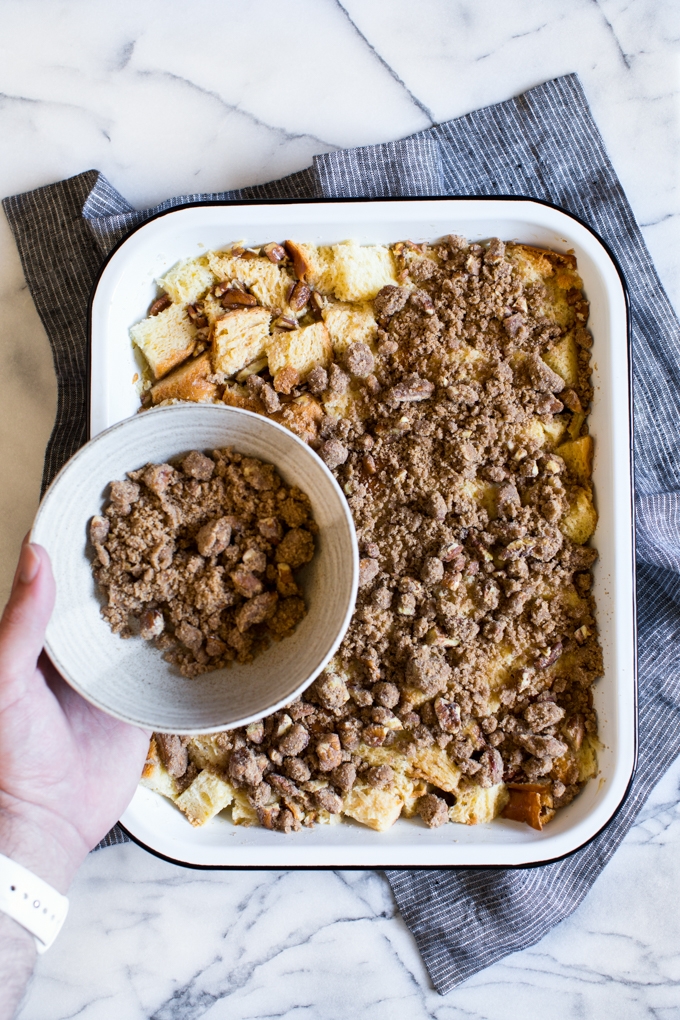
column 160, row 304
column 274, row 252
column 99, row 529
column 151, row 624
column 329, row 752
column 412, row 388
column 236, row 298
column 257, row 610
column 214, row 537
column 286, row 323
column 246, row 583
column 299, row 296
column 301, row 263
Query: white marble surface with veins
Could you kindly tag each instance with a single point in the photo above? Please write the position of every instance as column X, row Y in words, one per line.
column 170, row 97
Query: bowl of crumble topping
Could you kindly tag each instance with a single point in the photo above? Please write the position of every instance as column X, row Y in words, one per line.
column 206, row 567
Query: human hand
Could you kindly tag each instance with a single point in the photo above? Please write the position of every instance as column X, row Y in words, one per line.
column 67, row 770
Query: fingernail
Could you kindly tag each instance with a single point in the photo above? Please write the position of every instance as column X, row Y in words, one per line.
column 29, row 564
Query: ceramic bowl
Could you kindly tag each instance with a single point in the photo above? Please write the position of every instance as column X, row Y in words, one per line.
column 129, row 678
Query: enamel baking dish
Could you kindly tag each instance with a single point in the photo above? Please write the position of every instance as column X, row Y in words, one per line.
column 122, row 296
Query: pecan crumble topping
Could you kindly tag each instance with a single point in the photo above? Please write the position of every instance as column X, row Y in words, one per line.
column 200, row 558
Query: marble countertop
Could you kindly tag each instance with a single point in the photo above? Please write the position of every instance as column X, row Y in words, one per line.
column 167, row 98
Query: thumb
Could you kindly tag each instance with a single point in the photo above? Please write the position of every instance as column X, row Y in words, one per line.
column 23, row 623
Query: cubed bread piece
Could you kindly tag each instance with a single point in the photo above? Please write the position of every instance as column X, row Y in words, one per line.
column 349, row 324
column 531, row 803
column 238, row 338
column 544, row 434
column 188, row 382
column 418, row 789
column 301, row 349
column 213, row 309
column 235, row 395
column 187, row 280
column 434, row 765
column 155, row 775
column 378, row 809
column 558, row 275
column 476, row 806
column 563, row 359
column 165, row 339
column 580, row 521
column 587, row 758
column 313, row 264
column 360, row 271
column 577, row 454
column 209, row 750
column 242, row 812
column 205, row 797
column 268, row 281
column 389, row 755
column 553, row 431
column 302, row 416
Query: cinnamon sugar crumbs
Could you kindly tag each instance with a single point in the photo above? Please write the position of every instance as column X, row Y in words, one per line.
column 200, row 557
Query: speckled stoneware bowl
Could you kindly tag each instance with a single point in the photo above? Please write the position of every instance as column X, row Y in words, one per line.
column 128, row 678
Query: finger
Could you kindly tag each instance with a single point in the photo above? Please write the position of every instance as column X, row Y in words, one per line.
column 23, row 623
column 24, row 541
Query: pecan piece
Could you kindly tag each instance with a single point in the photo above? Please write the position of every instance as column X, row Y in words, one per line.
column 237, row 298
column 214, row 537
column 257, row 610
column 160, row 304
column 151, row 624
column 368, row 569
column 198, row 466
column 328, row 800
column 301, row 263
column 99, row 529
column 285, row 323
column 299, row 296
column 410, row 389
column 329, row 752
column 294, row 741
column 274, row 252
column 246, row 583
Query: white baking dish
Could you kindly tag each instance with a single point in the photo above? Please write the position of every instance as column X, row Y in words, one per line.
column 122, row 295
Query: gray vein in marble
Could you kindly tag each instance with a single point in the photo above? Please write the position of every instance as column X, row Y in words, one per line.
column 661, row 219
column 532, row 31
column 286, row 136
column 56, row 104
column 195, row 1005
column 625, row 57
column 125, row 56
column 390, row 70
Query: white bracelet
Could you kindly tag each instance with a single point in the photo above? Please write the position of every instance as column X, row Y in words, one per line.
column 34, row 904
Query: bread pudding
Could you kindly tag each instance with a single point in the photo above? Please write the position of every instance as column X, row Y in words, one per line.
column 446, row 385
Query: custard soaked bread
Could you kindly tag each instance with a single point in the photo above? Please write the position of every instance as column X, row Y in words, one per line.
column 447, row 387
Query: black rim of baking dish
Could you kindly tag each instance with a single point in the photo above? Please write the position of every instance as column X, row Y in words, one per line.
column 217, row 203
